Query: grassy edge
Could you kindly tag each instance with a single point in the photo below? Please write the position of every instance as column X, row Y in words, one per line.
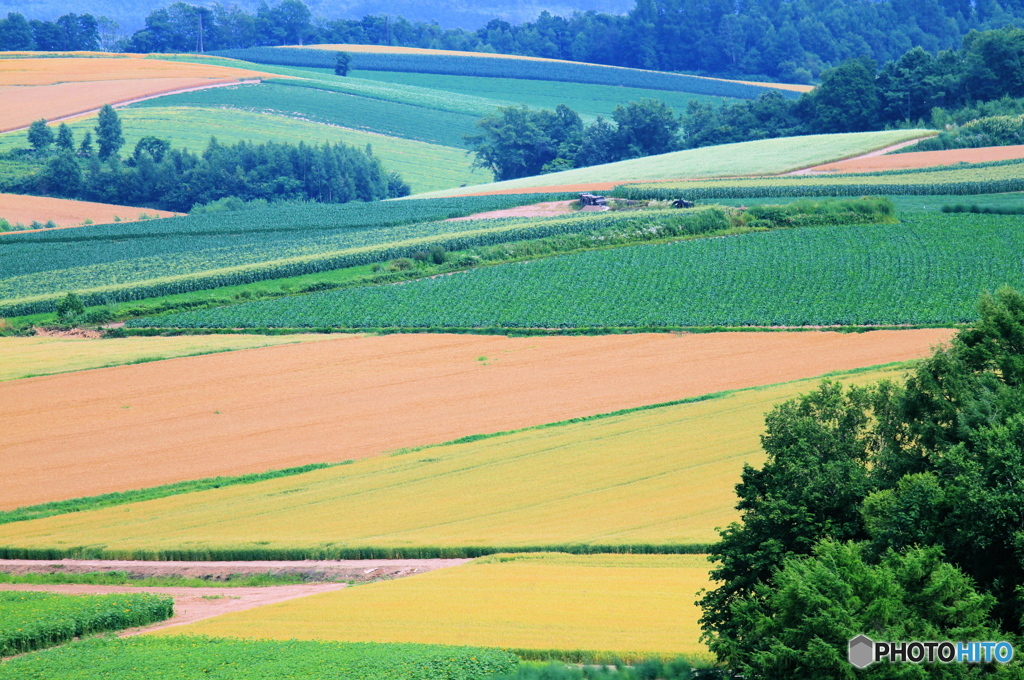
column 330, row 551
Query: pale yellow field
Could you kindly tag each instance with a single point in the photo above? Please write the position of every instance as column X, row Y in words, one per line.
column 629, row 604
column 659, row 476
column 391, row 49
column 23, row 357
column 50, row 71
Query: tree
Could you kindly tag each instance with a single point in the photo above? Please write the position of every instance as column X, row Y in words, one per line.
column 514, row 143
column 154, row 146
column 341, row 62
column 65, row 138
column 646, row 128
column 846, row 100
column 62, row 176
column 16, row 33
column 40, row 136
column 108, row 132
column 70, row 307
column 85, row 149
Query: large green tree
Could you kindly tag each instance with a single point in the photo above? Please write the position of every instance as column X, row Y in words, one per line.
column 108, row 132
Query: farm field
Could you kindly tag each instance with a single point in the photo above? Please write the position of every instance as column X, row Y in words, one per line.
column 188, row 657
column 928, row 269
column 763, row 157
column 577, row 484
column 42, row 355
column 390, row 118
column 424, row 166
column 120, row 262
column 34, row 88
column 25, row 210
column 138, row 426
column 924, row 159
column 634, row 605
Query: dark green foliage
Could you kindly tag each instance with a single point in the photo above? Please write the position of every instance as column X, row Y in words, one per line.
column 61, row 177
column 125, row 497
column 341, row 63
column 40, row 136
column 65, row 138
column 929, row 493
column 651, row 669
column 190, row 657
column 30, row 620
column 846, row 100
column 155, row 147
column 69, row 307
column 86, row 149
column 108, row 132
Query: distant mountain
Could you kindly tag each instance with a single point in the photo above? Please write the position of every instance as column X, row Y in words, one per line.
column 469, row 14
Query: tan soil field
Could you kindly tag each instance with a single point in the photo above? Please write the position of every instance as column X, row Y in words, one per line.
column 47, row 354
column 387, row 49
column 548, row 209
column 50, row 71
column 18, row 209
column 130, row 427
column 923, row 159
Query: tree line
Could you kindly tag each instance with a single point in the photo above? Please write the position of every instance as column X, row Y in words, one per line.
column 891, row 510
column 792, row 40
column 158, row 176
column 70, row 32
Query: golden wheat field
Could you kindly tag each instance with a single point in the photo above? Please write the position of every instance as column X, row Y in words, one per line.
column 42, row 355
column 633, row 605
column 657, row 476
column 49, row 71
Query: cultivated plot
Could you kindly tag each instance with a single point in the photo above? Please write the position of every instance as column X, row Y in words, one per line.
column 633, row 605
column 137, row 426
column 24, row 210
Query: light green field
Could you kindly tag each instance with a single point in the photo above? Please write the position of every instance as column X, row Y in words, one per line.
column 632, row 605
column 663, row 476
column 587, row 100
column 426, row 167
column 762, row 157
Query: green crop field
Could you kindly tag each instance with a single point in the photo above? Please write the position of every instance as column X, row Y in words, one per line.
column 426, row 167
column 31, row 620
column 962, row 180
column 763, row 157
column 929, row 269
column 190, row 657
column 335, row 108
column 571, row 487
column 118, row 262
column 587, row 100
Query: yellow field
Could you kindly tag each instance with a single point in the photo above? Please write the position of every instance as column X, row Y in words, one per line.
column 390, row 49
column 633, row 605
column 659, row 476
column 50, row 71
column 23, row 357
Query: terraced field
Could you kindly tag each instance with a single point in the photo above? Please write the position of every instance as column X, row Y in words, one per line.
column 132, row 427
column 629, row 605
column 764, row 157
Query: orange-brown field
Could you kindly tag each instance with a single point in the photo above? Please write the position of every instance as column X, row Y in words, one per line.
column 354, row 397
column 923, row 159
column 388, row 49
column 34, row 88
column 18, row 209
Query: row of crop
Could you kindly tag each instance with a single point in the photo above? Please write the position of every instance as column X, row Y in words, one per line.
column 251, row 553
column 769, row 189
column 496, row 67
column 31, row 620
column 190, row 657
column 926, row 271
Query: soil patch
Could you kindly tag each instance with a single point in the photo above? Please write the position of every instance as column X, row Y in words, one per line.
column 547, row 209
column 878, row 162
column 18, row 209
column 137, row 426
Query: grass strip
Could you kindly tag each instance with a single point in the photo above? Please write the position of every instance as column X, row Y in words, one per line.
column 135, row 496
column 123, row 578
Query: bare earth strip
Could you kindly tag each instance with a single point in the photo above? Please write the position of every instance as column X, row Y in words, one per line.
column 878, row 162
column 547, row 209
column 18, row 209
column 130, row 427
column 196, row 604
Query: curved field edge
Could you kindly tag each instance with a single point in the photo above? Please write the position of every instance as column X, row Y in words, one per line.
column 762, row 157
column 80, row 544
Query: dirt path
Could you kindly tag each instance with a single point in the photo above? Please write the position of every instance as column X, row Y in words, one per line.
column 547, row 209
column 819, row 169
column 195, row 604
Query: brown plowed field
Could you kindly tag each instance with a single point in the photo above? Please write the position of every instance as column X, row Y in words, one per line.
column 923, row 159
column 548, row 209
column 130, row 427
column 18, row 209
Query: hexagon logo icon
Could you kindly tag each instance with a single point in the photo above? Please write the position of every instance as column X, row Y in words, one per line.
column 862, row 651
